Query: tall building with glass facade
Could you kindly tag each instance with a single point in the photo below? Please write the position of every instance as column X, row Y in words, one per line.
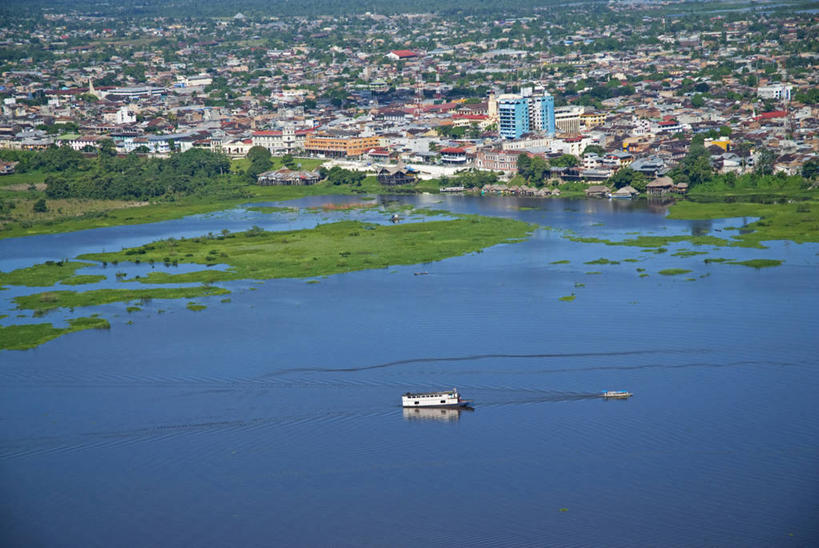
column 521, row 114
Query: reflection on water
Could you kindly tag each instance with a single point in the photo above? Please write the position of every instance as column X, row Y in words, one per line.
column 443, row 414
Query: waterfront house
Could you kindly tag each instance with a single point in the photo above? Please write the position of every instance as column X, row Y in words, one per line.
column 597, row 191
column 661, row 185
column 395, row 175
column 286, row 176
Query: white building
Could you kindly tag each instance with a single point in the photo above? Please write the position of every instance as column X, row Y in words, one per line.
column 778, row 92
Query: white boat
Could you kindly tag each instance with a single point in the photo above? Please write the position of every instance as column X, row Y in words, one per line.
column 449, row 398
column 617, row 394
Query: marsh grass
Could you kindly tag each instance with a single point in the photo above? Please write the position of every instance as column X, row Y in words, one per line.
column 43, row 275
column 23, row 337
column 50, row 300
column 327, row 249
column 673, row 271
column 568, row 298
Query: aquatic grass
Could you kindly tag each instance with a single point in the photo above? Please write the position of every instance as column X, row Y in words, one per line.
column 687, row 253
column 273, row 209
column 568, row 298
column 326, row 249
column 564, row 261
column 83, row 279
column 714, row 260
column 593, row 273
column 50, row 300
column 673, row 271
column 26, row 336
column 793, row 221
column 133, row 309
column 757, row 263
column 42, row 275
column 602, row 260
column 195, row 307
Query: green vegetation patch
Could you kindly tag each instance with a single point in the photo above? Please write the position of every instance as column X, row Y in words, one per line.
column 602, row 260
column 568, row 298
column 69, row 299
column 795, row 221
column 687, row 253
column 23, row 337
column 714, row 260
column 593, row 273
column 757, row 263
column 656, row 242
column 327, row 249
column 564, row 261
column 673, row 271
column 83, row 279
column 42, row 275
column 273, row 209
column 196, row 307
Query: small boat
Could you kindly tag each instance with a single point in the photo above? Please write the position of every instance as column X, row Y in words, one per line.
column 423, row 273
column 448, row 398
column 617, row 394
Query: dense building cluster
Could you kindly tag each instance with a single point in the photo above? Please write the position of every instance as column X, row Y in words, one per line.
column 611, row 86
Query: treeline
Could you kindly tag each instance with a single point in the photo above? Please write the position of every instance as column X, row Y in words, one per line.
column 70, row 174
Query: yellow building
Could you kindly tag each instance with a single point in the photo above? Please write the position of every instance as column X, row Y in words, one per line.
column 339, row 145
column 592, row 119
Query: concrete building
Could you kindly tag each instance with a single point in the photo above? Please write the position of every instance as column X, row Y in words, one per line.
column 567, row 119
column 526, row 112
column 779, row 92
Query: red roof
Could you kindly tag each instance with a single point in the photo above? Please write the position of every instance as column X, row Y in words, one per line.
column 453, row 150
column 772, row 114
column 266, row 133
column 404, row 53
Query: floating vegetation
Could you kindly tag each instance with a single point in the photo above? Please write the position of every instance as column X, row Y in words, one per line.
column 673, row 271
column 602, row 260
column 23, row 337
column 686, row 253
column 69, row 299
column 313, row 282
column 578, row 284
column 593, row 272
column 273, row 209
column 644, row 275
column 564, row 261
column 225, row 300
column 42, row 275
column 641, row 270
column 132, row 309
column 568, row 298
column 714, row 260
column 757, row 263
column 631, row 260
column 657, row 250
column 196, row 307
column 261, row 255
column 83, row 279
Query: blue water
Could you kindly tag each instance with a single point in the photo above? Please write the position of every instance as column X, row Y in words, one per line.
column 275, row 418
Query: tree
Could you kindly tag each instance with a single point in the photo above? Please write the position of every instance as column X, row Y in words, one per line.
column 697, row 101
column 40, row 206
column 524, row 165
column 810, row 169
column 695, row 168
column 764, row 162
column 107, row 148
column 627, row 176
column 594, row 149
column 288, row 161
column 259, row 161
column 565, row 160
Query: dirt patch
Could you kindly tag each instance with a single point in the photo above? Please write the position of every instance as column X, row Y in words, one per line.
column 40, row 187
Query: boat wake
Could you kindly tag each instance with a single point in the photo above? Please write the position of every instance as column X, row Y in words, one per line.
column 474, row 357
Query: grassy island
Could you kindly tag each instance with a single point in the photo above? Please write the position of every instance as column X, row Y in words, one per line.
column 23, row 337
column 327, row 249
column 50, row 300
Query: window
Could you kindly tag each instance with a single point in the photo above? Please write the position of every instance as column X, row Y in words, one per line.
column 416, row 403
column 443, row 401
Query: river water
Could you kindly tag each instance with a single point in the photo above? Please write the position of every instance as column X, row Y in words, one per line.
column 275, row 418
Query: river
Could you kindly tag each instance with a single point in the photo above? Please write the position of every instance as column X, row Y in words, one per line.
column 275, row 418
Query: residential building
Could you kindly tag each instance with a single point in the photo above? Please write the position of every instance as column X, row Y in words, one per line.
column 778, row 92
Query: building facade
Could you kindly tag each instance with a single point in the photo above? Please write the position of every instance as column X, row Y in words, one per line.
column 524, row 113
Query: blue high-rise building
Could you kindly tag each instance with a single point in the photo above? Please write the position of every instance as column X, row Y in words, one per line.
column 520, row 114
column 513, row 113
